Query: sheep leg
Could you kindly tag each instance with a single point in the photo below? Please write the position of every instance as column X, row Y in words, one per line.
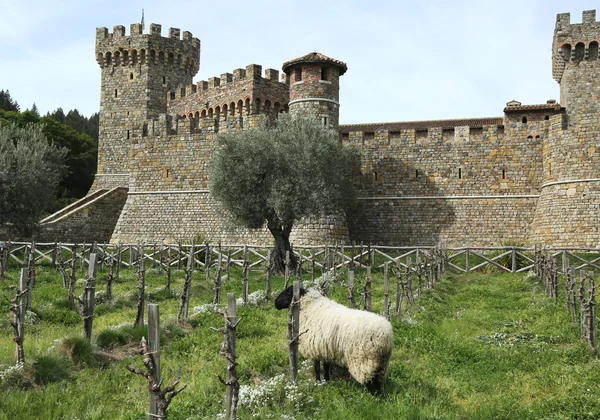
column 317, row 364
column 374, row 385
column 326, row 369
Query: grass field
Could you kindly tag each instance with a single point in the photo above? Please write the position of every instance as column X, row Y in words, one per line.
column 479, row 346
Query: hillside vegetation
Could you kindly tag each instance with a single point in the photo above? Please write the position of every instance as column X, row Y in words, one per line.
column 479, row 346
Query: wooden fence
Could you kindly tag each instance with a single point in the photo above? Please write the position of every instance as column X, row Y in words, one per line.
column 162, row 256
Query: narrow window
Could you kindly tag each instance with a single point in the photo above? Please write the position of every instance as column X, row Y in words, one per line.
column 116, row 93
column 416, row 173
column 459, row 173
column 127, row 134
column 524, row 120
column 547, row 117
column 130, row 76
column 323, row 73
column 298, row 74
column 325, row 122
column 164, row 80
column 375, row 176
column 503, row 174
column 167, row 173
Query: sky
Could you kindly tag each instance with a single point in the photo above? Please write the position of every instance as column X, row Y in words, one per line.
column 407, row 59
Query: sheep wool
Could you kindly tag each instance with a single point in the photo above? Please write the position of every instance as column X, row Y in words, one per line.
column 361, row 341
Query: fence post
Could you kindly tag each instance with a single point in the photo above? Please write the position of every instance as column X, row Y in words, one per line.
column 386, row 290
column 268, row 275
column 294, row 330
column 17, row 307
column 141, row 273
column 182, row 315
column 229, row 347
column 90, row 298
column 287, row 269
column 514, row 260
column 592, row 313
column 367, row 293
column 467, row 266
column 351, row 303
column 154, row 349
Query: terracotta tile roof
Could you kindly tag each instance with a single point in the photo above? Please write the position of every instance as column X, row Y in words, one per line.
column 422, row 125
column 536, row 107
column 315, row 57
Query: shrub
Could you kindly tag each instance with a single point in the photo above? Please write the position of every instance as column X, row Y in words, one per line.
column 76, row 349
column 50, row 368
column 108, row 339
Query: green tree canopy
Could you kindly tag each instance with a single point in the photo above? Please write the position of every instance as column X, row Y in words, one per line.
column 278, row 175
column 81, row 158
column 7, row 103
column 30, row 171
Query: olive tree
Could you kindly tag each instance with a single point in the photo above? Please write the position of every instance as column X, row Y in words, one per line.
column 275, row 176
column 30, row 170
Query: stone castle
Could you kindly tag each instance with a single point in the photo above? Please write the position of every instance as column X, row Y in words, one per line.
column 531, row 175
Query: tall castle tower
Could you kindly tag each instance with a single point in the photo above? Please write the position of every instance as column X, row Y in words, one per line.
column 315, row 87
column 138, row 71
column 569, row 205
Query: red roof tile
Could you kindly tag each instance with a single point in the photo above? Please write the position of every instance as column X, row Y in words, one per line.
column 315, row 57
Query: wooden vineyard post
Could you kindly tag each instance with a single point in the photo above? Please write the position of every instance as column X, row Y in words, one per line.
column 294, row 331
column 228, row 350
column 158, row 399
column 351, row 303
column 582, row 304
column 71, row 290
column 367, row 290
column 229, row 264
column 110, row 278
column 217, row 281
column 325, row 284
column 182, row 315
column 409, row 281
column 386, row 290
column 17, row 307
column 168, row 268
column 30, row 276
column 399, row 288
column 592, row 312
column 119, row 260
column 207, row 261
column 312, row 264
column 268, row 275
column 287, row 269
column 572, row 294
column 245, row 274
column 89, row 299
column 141, row 274
column 154, row 349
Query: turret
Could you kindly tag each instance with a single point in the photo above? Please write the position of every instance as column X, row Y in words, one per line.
column 575, row 63
column 137, row 72
column 315, row 87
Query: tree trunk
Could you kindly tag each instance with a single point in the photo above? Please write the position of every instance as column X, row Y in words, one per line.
column 281, row 234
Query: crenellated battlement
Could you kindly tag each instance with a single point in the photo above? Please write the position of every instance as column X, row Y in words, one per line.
column 116, row 48
column 574, row 42
column 232, row 95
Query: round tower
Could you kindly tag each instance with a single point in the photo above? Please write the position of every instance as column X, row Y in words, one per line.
column 569, row 203
column 138, row 71
column 315, row 87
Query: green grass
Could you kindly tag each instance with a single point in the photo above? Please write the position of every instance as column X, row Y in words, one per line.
column 479, row 346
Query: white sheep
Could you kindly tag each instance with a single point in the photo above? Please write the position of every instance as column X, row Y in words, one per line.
column 361, row 341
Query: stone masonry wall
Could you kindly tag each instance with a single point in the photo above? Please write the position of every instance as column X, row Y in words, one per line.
column 93, row 222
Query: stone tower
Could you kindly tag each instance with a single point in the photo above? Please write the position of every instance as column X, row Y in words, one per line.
column 315, row 87
column 138, row 72
column 569, row 204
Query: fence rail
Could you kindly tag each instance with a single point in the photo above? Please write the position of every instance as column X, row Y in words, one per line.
column 337, row 257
